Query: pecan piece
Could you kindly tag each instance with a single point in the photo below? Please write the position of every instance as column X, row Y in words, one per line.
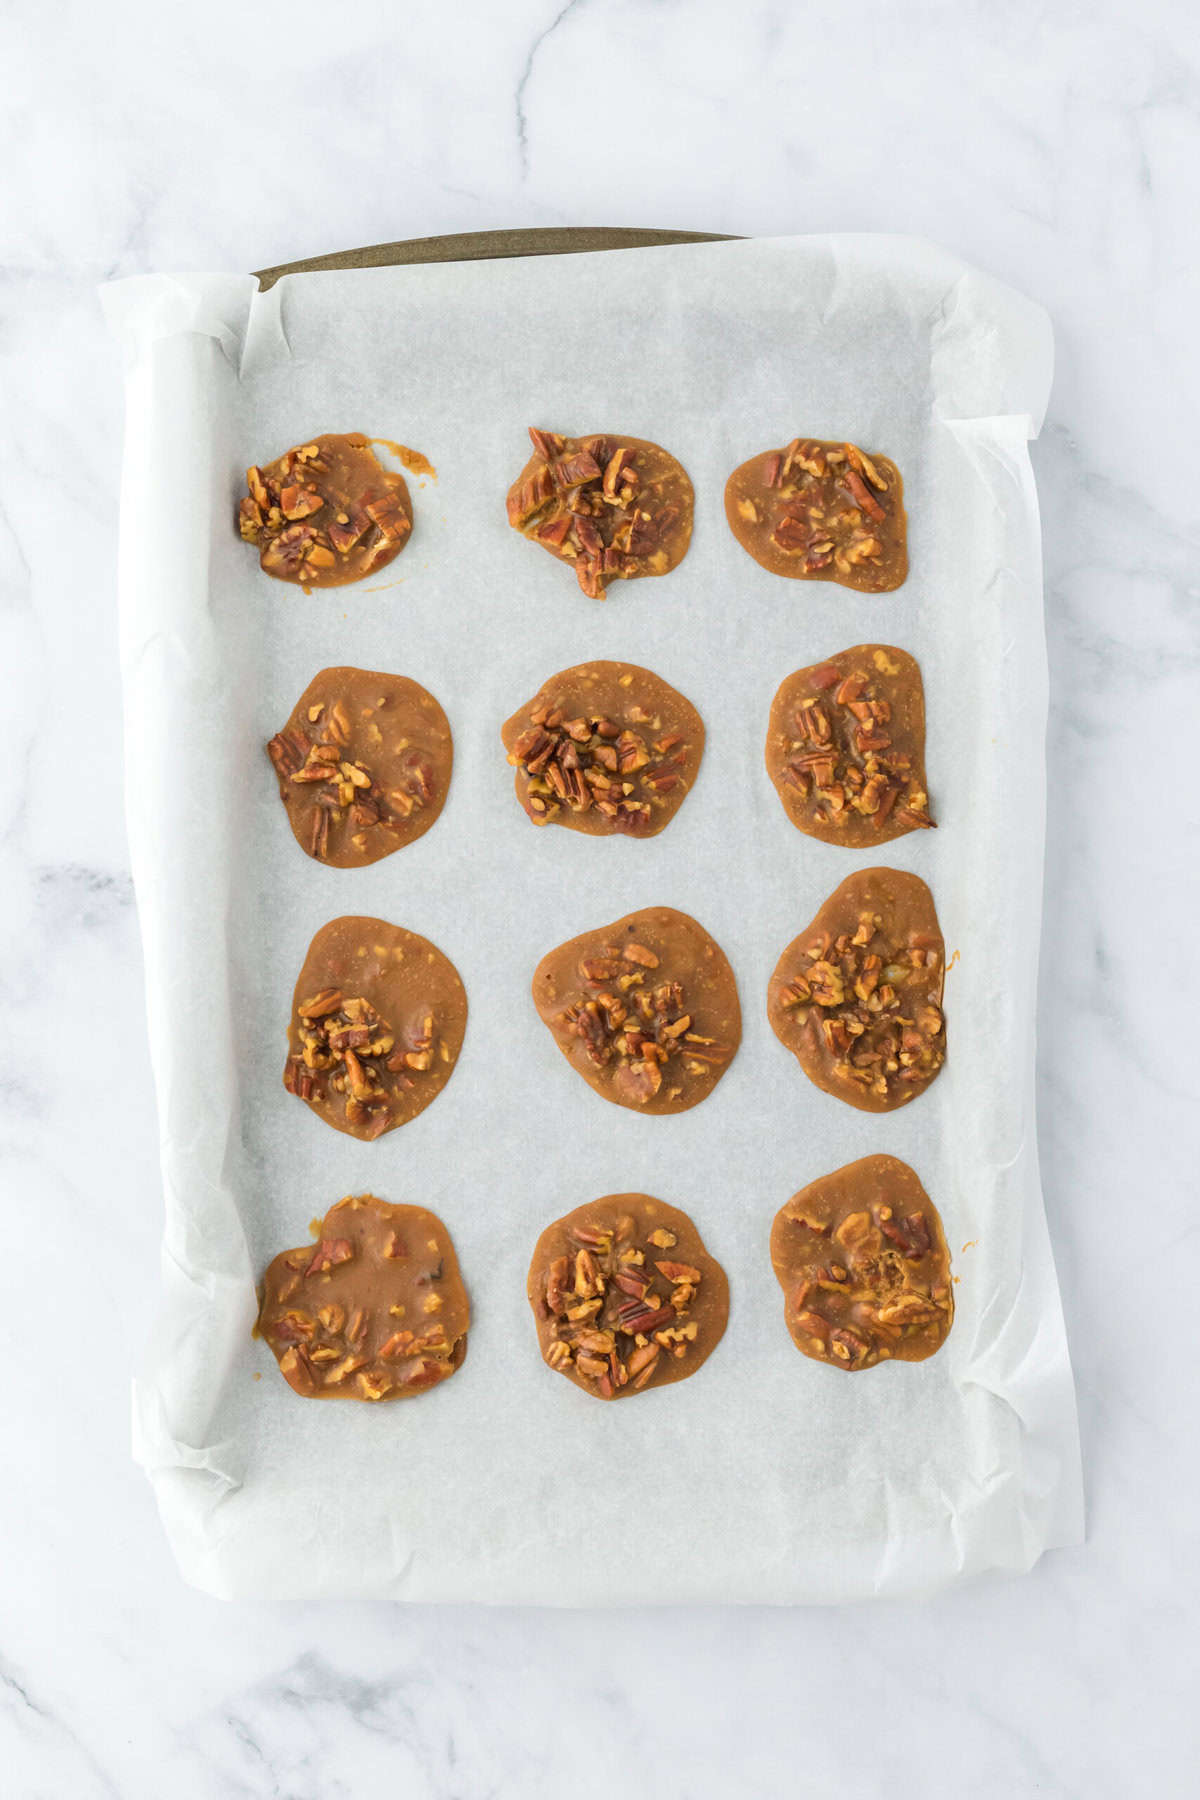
column 298, row 502
column 791, row 535
column 676, row 1271
column 328, row 1254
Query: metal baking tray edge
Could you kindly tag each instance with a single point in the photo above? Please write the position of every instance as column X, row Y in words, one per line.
column 475, row 246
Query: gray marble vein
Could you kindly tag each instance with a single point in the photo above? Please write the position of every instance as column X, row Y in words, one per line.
column 522, row 118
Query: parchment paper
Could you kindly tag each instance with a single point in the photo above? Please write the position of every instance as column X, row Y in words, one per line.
column 767, row 1477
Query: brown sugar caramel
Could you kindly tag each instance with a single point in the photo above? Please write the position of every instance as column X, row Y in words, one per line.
column 375, row 1310
column 846, row 747
column 625, row 1296
column 326, row 512
column 857, row 996
column 822, row 511
column 646, row 1009
column 377, row 1023
column 614, row 507
column 861, row 1257
column 605, row 748
column 363, row 764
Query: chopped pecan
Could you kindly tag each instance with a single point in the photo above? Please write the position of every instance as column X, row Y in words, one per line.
column 893, row 1297
column 325, row 512
column 823, row 510
column 349, row 790
column 839, row 753
column 575, row 763
column 626, row 1333
column 858, row 1006
column 645, row 1009
column 911, row 1234
column 613, row 510
column 347, row 1048
column 328, row 1254
column 675, row 1271
column 358, row 1284
column 637, row 1030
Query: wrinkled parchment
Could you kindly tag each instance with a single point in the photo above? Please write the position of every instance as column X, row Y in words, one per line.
column 767, row 1477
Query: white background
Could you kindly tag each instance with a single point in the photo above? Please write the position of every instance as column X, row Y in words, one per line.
column 1057, row 147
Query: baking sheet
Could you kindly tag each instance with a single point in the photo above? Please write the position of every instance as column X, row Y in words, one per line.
column 767, row 1477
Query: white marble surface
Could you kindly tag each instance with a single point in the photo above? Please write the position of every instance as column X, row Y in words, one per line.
column 1056, row 145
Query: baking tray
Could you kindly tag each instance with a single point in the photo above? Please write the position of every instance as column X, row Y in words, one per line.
column 834, row 1491
column 483, row 246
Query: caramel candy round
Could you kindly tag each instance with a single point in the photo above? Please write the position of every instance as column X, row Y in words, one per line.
column 822, row 511
column 363, row 764
column 857, row 997
column 846, row 747
column 646, row 1009
column 606, row 747
column 326, row 512
column 625, row 1296
column 614, row 507
column 862, row 1261
column 377, row 1023
column 375, row 1310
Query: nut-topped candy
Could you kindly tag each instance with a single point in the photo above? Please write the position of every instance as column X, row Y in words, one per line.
column 363, row 764
column 646, row 1009
column 862, row 1261
column 846, row 747
column 326, row 512
column 857, row 996
column 614, row 507
column 820, row 511
column 625, row 1296
column 375, row 1310
column 377, row 1024
column 605, row 747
